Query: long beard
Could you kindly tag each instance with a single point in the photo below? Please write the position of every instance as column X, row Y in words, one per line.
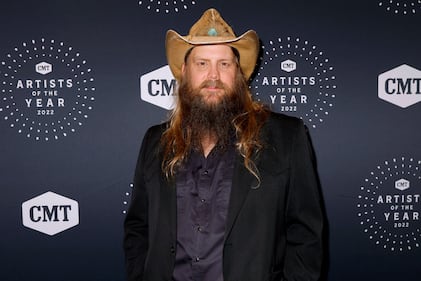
column 209, row 118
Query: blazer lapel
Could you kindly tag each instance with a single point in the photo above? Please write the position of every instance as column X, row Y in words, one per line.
column 242, row 182
column 168, row 206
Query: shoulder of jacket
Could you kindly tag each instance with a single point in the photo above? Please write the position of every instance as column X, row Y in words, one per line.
column 156, row 130
column 283, row 121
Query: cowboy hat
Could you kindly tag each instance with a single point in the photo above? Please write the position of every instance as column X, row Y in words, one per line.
column 212, row 29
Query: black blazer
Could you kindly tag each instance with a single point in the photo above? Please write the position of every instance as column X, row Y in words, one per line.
column 273, row 232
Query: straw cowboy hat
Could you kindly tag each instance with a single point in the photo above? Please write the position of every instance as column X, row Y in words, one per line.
column 212, row 29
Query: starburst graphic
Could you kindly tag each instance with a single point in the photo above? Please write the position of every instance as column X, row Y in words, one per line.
column 401, row 7
column 389, row 205
column 306, row 90
column 46, row 89
column 126, row 199
column 165, row 6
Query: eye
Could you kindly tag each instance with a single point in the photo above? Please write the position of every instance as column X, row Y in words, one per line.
column 225, row 64
column 201, row 64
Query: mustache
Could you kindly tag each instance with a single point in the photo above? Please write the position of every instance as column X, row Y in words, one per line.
column 213, row 84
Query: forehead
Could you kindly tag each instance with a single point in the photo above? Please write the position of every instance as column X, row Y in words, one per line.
column 212, row 52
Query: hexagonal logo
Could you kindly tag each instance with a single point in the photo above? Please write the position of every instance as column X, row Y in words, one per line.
column 43, row 68
column 400, row 86
column 402, row 184
column 288, row 65
column 50, row 213
column 157, row 87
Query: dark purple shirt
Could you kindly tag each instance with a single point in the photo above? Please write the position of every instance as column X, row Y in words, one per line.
column 203, row 191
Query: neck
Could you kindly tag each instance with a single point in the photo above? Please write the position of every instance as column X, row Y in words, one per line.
column 208, row 143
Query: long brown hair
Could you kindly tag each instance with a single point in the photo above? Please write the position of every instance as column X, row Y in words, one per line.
column 176, row 141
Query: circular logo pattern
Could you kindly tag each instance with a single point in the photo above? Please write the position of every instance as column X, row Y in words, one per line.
column 166, row 6
column 46, row 89
column 401, row 7
column 389, row 205
column 297, row 78
column 126, row 199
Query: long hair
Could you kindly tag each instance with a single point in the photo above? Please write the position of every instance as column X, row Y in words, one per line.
column 177, row 140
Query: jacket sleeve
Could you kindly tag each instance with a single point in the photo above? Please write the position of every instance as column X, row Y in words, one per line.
column 136, row 222
column 304, row 213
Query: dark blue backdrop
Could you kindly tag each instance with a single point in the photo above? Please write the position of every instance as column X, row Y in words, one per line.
column 362, row 142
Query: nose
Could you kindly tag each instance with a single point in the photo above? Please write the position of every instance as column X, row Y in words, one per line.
column 213, row 72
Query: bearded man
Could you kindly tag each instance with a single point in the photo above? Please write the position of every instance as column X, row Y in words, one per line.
column 225, row 190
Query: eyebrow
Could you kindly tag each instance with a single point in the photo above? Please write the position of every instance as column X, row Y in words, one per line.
column 234, row 50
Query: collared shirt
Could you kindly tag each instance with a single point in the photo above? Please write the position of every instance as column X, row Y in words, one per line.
column 203, row 192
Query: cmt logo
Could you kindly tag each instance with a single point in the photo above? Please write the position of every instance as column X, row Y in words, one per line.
column 157, row 87
column 50, row 213
column 288, row 65
column 400, row 86
column 402, row 184
column 43, row 68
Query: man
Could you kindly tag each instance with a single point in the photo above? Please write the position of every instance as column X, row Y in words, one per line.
column 225, row 190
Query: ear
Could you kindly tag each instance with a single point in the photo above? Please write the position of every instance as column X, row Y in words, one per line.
column 183, row 69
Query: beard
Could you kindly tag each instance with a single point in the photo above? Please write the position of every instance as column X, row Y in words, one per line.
column 202, row 117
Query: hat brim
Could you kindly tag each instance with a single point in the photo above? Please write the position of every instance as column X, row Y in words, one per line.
column 177, row 47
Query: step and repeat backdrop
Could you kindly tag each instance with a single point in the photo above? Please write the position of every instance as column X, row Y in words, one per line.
column 81, row 81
